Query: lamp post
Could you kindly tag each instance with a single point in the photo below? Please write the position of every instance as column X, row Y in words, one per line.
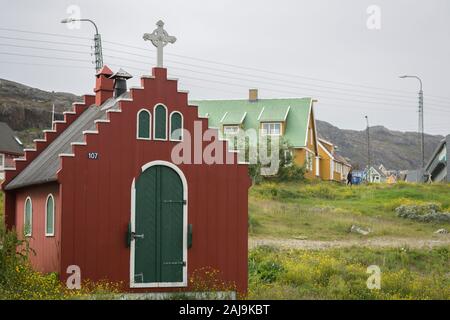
column 97, row 42
column 421, row 124
column 369, row 174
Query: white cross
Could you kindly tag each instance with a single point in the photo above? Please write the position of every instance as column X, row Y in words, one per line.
column 159, row 38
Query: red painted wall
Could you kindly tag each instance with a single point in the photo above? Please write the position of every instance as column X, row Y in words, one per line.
column 47, row 249
column 96, row 195
column 9, row 160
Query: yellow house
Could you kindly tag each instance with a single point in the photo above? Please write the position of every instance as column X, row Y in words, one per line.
column 333, row 167
column 293, row 119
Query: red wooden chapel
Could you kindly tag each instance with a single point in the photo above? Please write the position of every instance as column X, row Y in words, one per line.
column 103, row 192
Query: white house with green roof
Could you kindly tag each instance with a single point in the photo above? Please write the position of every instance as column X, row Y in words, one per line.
column 291, row 118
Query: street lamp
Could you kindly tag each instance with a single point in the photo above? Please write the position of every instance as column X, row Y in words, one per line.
column 421, row 123
column 369, row 174
column 97, row 42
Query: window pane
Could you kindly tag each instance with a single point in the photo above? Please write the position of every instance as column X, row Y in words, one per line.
column 50, row 216
column 175, row 126
column 28, row 218
column 160, row 122
column 275, row 128
column 144, row 125
column 230, row 129
column 2, row 161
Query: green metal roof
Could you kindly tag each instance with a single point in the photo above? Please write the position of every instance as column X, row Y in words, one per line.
column 274, row 113
column 294, row 111
column 233, row 117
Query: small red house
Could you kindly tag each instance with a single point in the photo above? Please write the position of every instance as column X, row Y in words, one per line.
column 10, row 148
column 102, row 192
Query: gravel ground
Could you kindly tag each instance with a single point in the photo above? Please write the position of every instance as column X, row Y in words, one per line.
column 440, row 240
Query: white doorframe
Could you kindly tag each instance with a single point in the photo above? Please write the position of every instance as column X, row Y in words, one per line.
column 185, row 226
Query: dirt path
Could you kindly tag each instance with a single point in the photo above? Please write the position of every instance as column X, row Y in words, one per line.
column 370, row 243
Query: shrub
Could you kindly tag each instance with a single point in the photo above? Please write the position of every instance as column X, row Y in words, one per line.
column 291, row 172
column 252, row 223
column 322, row 191
column 18, row 281
column 429, row 212
column 264, row 269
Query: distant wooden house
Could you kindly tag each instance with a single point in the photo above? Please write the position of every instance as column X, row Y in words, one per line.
column 10, row 148
column 438, row 166
column 332, row 165
column 375, row 176
column 391, row 179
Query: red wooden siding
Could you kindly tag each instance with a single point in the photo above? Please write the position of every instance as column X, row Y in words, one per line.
column 47, row 249
column 96, row 195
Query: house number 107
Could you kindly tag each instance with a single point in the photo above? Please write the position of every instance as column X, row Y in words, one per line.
column 93, row 155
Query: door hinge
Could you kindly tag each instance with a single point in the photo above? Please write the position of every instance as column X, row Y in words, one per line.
column 175, row 201
column 175, row 263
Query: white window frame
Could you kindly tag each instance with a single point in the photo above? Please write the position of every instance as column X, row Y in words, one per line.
column 154, row 121
column 53, row 216
column 2, row 163
column 25, row 217
column 149, row 125
column 270, row 124
column 170, row 126
column 309, row 160
column 229, row 127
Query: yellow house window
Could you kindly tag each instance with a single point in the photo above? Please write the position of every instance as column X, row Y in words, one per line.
column 271, row 128
column 230, row 130
column 309, row 161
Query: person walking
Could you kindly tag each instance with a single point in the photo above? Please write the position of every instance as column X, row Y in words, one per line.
column 350, row 178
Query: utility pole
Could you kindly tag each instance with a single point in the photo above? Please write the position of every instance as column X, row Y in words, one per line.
column 421, row 126
column 97, row 42
column 369, row 175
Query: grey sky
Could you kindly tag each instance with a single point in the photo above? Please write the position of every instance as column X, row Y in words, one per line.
column 320, row 39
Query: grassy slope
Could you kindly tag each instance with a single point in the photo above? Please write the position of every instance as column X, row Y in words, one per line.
column 342, row 273
column 326, row 211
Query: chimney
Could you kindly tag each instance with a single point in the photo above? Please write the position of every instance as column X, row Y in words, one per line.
column 120, row 82
column 103, row 86
column 253, row 95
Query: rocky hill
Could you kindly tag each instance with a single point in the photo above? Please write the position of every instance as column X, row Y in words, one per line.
column 394, row 149
column 28, row 110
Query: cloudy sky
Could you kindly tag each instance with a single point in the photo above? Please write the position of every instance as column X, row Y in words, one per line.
column 286, row 48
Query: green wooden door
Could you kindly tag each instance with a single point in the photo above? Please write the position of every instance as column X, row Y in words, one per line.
column 158, row 253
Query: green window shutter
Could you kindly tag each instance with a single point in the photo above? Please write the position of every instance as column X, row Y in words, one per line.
column 176, row 121
column 160, row 122
column 28, row 218
column 50, row 212
column 144, row 124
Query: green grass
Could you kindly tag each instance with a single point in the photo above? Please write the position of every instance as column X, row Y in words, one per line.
column 326, row 211
column 342, row 274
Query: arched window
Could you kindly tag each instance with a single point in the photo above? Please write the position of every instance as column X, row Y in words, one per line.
column 160, row 122
column 176, row 126
column 144, row 124
column 50, row 216
column 28, row 218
